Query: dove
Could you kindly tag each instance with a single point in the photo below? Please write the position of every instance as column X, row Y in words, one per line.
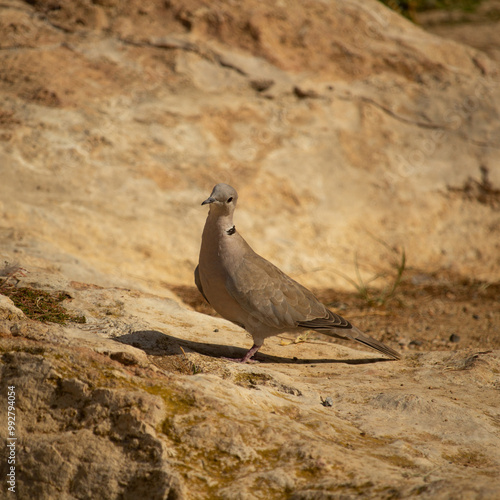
column 253, row 293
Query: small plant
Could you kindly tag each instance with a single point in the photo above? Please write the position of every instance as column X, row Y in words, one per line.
column 372, row 296
column 41, row 305
column 303, row 337
column 190, row 365
column 38, row 305
column 405, row 8
column 409, row 8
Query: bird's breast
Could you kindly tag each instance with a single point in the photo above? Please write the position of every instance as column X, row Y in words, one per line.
column 215, row 265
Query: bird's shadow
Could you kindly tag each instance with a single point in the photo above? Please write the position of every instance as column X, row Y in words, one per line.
column 157, row 343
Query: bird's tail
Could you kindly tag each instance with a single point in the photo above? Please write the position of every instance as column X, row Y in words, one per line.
column 355, row 334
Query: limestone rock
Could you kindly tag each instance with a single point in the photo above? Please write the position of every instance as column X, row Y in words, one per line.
column 9, row 310
column 139, row 403
column 347, row 131
column 372, row 128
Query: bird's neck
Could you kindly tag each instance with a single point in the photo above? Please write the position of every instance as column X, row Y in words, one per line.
column 223, row 224
column 218, row 233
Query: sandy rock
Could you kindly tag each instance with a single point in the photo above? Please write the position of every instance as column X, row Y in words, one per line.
column 9, row 310
column 139, row 403
column 77, row 440
column 372, row 128
column 341, row 125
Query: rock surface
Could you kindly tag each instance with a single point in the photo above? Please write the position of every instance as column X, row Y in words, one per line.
column 137, row 403
column 338, row 123
column 348, row 132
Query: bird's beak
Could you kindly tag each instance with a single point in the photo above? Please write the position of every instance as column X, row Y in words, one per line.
column 208, row 200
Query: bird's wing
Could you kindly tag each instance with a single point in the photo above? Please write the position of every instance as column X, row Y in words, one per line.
column 332, row 320
column 198, row 282
column 273, row 298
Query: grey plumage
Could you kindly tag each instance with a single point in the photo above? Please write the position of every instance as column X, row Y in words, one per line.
column 248, row 290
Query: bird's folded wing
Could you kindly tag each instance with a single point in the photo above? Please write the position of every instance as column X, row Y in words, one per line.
column 331, row 321
column 272, row 297
column 197, row 280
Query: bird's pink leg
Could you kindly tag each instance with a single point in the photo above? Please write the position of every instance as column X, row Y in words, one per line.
column 247, row 356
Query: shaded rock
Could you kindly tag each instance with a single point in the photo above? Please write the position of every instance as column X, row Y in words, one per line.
column 302, row 93
column 415, row 343
column 78, row 440
column 261, row 85
column 125, row 358
column 160, row 429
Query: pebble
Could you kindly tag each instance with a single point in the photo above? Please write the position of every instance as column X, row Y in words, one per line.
column 328, row 401
column 454, row 338
column 17, row 329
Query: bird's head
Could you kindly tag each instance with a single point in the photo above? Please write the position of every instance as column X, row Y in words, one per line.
column 222, row 200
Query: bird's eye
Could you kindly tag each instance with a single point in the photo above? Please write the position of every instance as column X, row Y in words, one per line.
column 230, row 199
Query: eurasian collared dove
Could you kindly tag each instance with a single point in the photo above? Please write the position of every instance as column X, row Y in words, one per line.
column 248, row 290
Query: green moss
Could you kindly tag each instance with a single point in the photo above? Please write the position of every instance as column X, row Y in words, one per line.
column 251, row 380
column 397, row 460
column 40, row 305
column 468, row 459
column 30, row 349
column 176, row 403
column 310, row 472
column 269, row 456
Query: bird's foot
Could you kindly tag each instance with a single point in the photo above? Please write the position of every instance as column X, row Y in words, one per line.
column 240, row 360
column 247, row 357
